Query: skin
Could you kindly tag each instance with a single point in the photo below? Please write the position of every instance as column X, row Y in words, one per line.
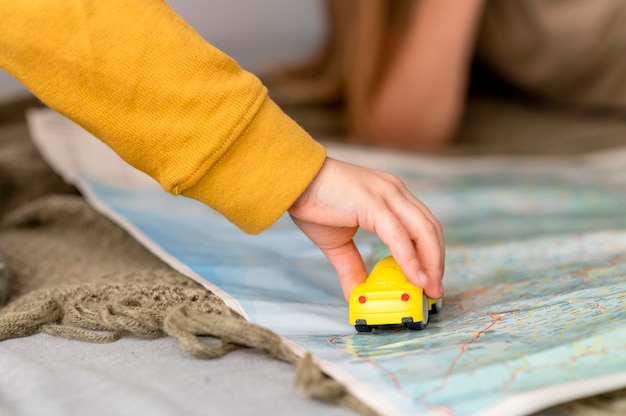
column 344, row 197
column 419, row 103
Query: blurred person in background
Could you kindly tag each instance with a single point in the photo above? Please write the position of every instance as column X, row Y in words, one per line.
column 401, row 68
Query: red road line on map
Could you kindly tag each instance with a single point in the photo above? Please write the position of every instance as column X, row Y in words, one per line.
column 514, row 372
column 390, row 374
column 597, row 305
column 464, row 347
column 334, row 337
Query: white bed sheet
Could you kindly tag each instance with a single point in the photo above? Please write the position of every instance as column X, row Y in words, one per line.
column 43, row 374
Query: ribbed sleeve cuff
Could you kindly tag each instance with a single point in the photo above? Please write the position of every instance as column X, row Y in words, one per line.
column 263, row 173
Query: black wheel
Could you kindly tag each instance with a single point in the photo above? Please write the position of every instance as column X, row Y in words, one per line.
column 436, row 308
column 408, row 322
column 362, row 326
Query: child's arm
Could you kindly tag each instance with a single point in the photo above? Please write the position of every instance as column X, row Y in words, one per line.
column 138, row 77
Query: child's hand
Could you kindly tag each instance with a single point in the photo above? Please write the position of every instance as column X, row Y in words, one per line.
column 344, row 197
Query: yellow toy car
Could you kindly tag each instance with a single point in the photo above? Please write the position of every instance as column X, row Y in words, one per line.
column 388, row 298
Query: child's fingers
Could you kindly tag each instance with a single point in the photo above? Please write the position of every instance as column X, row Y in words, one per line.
column 415, row 239
column 349, row 266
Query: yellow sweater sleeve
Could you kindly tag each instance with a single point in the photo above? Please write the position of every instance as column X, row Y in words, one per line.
column 138, row 77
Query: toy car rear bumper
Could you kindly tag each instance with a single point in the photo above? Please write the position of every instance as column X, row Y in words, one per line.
column 389, row 318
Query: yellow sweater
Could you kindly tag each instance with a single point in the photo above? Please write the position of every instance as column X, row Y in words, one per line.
column 138, row 77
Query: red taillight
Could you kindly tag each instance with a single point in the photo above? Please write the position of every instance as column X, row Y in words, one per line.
column 362, row 299
column 405, row 297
